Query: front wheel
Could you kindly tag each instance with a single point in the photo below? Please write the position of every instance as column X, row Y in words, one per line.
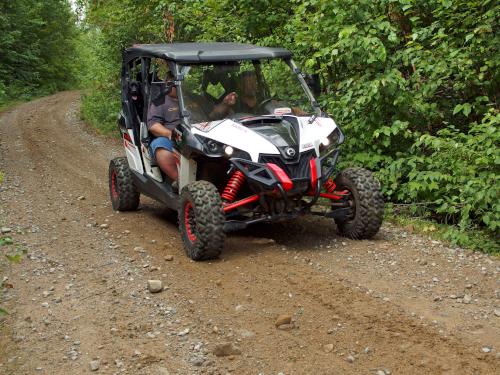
column 366, row 201
column 122, row 191
column 201, row 220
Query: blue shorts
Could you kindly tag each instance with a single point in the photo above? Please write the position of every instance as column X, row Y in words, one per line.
column 160, row 142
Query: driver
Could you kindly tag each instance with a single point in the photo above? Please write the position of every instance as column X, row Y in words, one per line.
column 246, row 102
column 162, row 119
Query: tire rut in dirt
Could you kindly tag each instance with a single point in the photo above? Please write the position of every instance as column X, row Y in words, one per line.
column 201, row 220
column 123, row 193
column 368, row 203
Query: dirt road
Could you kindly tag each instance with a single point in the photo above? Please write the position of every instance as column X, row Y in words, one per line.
column 400, row 304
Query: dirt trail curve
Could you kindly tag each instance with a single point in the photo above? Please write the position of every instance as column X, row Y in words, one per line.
column 400, row 304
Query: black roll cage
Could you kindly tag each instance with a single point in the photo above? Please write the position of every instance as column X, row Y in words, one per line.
column 179, row 71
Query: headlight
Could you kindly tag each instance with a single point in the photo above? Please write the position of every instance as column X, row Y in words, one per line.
column 214, row 148
column 336, row 137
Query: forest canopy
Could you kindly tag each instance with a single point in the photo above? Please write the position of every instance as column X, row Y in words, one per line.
column 37, row 48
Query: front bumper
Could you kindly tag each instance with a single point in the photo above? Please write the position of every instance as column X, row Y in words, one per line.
column 265, row 178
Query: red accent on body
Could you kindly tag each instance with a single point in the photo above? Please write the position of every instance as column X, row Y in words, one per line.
column 333, row 197
column 242, row 202
column 233, row 185
column 281, row 176
column 126, row 136
column 330, row 185
column 314, row 174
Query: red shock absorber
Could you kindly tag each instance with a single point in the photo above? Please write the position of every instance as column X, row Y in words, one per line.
column 330, row 185
column 233, row 185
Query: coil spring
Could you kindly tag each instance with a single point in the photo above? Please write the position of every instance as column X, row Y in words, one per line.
column 330, row 185
column 233, row 185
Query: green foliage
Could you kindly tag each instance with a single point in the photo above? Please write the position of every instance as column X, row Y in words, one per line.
column 37, row 48
column 455, row 173
column 414, row 84
column 480, row 240
column 12, row 254
column 6, row 241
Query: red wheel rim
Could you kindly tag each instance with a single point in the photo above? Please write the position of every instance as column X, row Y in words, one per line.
column 189, row 222
column 114, row 190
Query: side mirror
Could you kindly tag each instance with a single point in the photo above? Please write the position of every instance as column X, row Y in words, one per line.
column 314, row 83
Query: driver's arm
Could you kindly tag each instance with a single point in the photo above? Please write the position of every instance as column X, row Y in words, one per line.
column 158, row 130
column 222, row 109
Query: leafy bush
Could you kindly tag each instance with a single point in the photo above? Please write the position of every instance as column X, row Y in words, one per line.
column 452, row 174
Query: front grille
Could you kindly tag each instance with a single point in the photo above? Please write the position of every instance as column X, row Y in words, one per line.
column 298, row 169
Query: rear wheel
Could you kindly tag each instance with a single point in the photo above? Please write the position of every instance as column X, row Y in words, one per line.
column 201, row 220
column 366, row 201
column 122, row 191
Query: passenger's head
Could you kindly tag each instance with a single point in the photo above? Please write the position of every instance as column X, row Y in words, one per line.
column 248, row 83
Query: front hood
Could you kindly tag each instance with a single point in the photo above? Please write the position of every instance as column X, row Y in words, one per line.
column 238, row 136
column 267, row 135
column 279, row 133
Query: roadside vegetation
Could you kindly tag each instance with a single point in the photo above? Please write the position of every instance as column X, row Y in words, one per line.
column 38, row 49
column 9, row 252
column 414, row 84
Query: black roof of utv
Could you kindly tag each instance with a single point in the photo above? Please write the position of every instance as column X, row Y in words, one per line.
column 204, row 52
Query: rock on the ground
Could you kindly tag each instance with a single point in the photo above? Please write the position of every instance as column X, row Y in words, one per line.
column 155, row 286
column 467, row 299
column 94, row 365
column 327, row 348
column 196, row 361
column 283, row 319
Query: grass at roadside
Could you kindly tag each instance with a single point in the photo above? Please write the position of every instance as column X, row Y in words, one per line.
column 473, row 239
column 100, row 111
column 5, row 106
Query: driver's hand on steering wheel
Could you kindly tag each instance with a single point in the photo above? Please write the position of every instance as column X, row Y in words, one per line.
column 230, row 99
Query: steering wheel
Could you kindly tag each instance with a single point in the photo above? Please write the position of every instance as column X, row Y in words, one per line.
column 264, row 103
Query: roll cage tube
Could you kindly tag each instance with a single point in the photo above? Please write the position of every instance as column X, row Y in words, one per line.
column 303, row 83
column 180, row 72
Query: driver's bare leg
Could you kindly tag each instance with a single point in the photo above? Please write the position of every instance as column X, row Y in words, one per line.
column 166, row 162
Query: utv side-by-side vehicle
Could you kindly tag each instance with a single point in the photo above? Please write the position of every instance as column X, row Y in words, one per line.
column 271, row 157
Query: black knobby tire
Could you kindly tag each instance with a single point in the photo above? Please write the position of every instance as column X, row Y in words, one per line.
column 201, row 220
column 366, row 201
column 122, row 191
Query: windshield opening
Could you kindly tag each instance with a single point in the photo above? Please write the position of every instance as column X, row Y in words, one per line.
column 243, row 89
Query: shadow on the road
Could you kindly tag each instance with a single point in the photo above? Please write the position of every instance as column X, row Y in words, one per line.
column 303, row 234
